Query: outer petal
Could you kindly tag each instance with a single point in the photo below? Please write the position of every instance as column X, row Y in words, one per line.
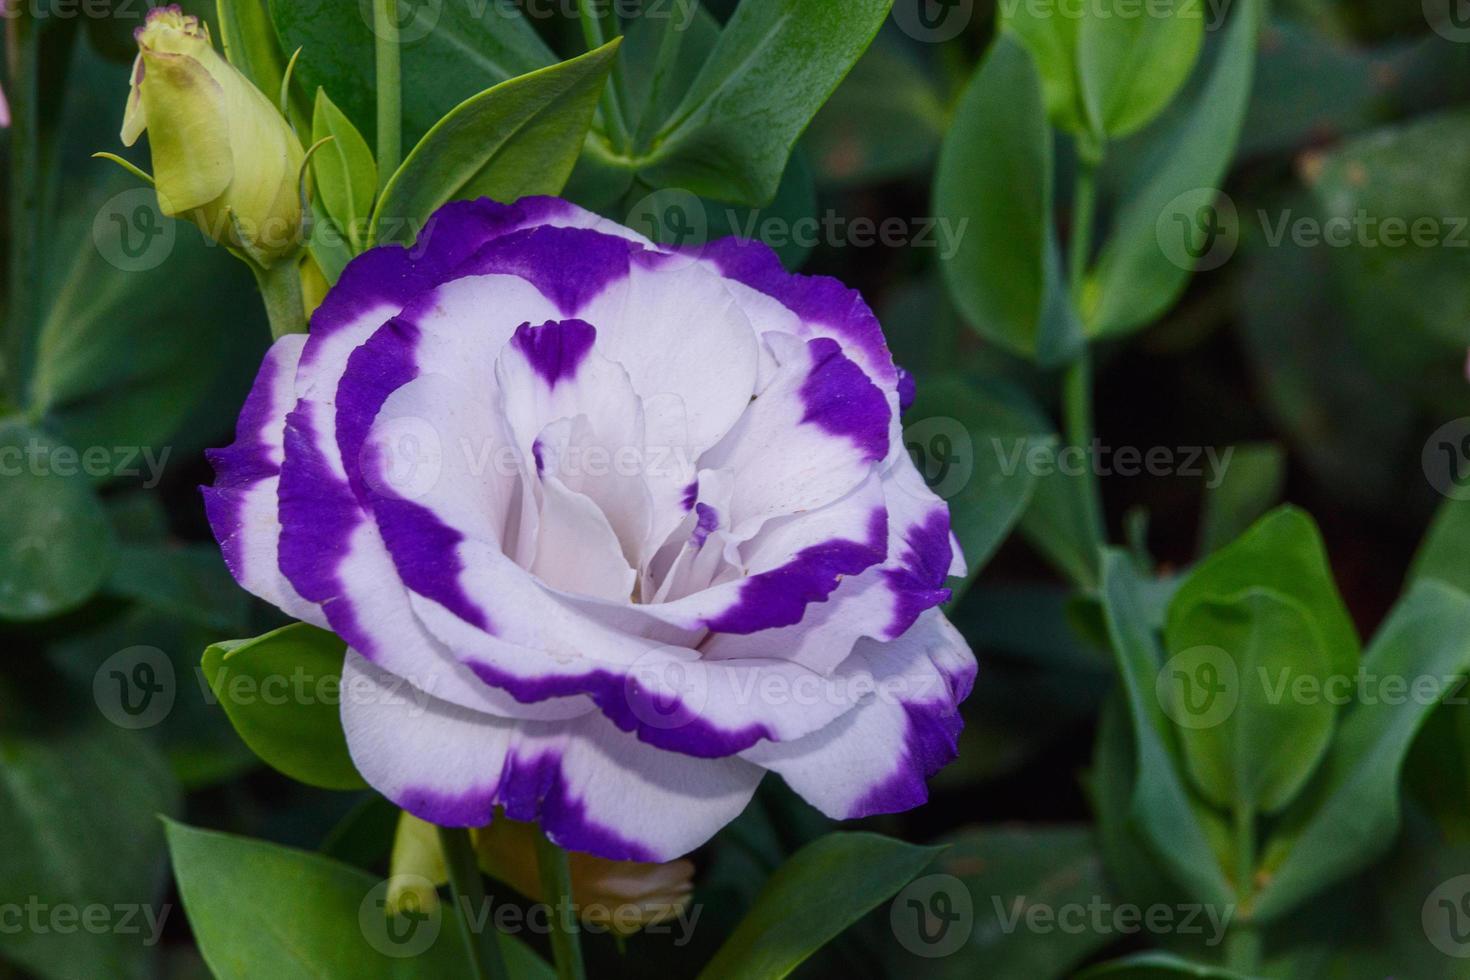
column 591, row 787
column 242, row 503
column 876, row 758
column 807, row 306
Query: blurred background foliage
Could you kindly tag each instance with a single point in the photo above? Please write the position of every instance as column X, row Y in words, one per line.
column 1327, row 367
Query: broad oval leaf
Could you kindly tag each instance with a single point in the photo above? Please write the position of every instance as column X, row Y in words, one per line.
column 78, row 815
column 776, row 63
column 824, row 888
column 1260, row 754
column 261, row 910
column 1160, row 807
column 1156, row 966
column 1351, row 813
column 519, row 138
column 993, row 186
column 1282, row 552
column 1052, row 41
column 1135, row 280
column 1129, row 68
column 282, row 692
column 56, row 546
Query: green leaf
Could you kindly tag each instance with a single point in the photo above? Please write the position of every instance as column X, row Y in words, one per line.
column 185, row 581
column 1160, row 807
column 776, row 63
column 519, row 138
column 1129, row 68
column 1052, row 41
column 77, row 814
column 282, row 693
column 261, row 910
column 1155, row 966
column 58, row 547
column 824, row 888
column 1059, row 523
column 993, row 186
column 971, row 442
column 1135, row 281
column 1442, row 553
column 449, row 51
column 1250, row 484
column 1259, row 756
column 1391, row 195
column 1283, row 552
column 1007, row 874
column 1350, row 815
column 346, row 176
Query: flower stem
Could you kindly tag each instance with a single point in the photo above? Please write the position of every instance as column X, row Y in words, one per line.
column 1243, row 945
column 595, row 34
column 481, row 946
column 280, row 288
column 556, row 891
column 390, row 89
column 25, row 200
column 1077, row 398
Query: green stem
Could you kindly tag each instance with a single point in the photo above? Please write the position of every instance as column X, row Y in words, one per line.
column 482, row 948
column 390, row 89
column 280, row 288
column 25, row 202
column 595, row 34
column 1084, row 212
column 1077, row 382
column 556, row 892
column 1243, row 945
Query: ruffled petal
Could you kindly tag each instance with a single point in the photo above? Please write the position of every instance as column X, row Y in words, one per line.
column 591, row 787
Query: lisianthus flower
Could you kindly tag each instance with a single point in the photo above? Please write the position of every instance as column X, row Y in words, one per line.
column 611, row 531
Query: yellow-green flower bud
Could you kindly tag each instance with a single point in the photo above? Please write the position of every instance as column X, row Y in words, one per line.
column 223, row 156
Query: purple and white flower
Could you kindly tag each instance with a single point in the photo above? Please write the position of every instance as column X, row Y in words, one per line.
column 610, row 531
